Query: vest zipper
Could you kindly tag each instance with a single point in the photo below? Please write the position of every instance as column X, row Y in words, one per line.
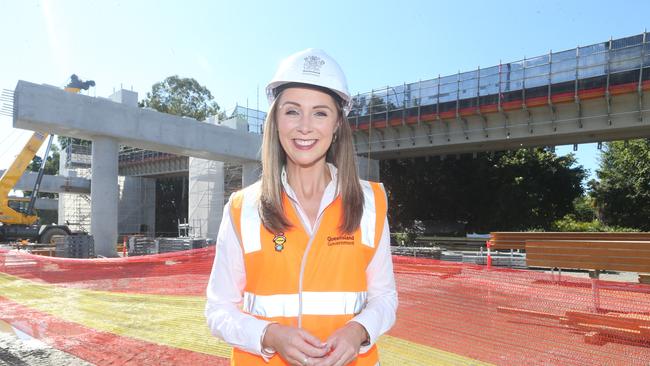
column 303, row 262
column 302, row 269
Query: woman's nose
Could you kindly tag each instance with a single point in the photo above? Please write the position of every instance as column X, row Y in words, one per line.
column 305, row 123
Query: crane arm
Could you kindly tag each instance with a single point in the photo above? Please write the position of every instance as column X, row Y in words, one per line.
column 11, row 177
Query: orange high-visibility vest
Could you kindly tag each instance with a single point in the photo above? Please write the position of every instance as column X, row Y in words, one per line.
column 317, row 283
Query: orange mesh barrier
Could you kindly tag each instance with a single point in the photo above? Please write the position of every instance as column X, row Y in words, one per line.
column 149, row 311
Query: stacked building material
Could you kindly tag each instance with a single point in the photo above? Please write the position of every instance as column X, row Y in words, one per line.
column 141, row 245
column 166, row 245
column 198, row 243
column 74, row 246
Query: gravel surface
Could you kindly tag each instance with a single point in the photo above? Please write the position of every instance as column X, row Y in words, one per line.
column 17, row 352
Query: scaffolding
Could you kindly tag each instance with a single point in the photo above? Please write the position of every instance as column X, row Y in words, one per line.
column 74, row 208
column 133, row 155
column 255, row 118
column 598, row 70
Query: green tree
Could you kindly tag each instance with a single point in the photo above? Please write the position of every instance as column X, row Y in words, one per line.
column 513, row 190
column 51, row 164
column 584, row 208
column 623, row 192
column 51, row 168
column 181, row 97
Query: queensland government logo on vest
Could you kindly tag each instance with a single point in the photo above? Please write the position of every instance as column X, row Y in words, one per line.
column 340, row 240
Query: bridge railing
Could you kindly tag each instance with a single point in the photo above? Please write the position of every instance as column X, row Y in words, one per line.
column 596, row 66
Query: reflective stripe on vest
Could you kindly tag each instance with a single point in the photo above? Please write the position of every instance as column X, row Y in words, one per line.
column 313, row 303
column 368, row 219
column 250, row 235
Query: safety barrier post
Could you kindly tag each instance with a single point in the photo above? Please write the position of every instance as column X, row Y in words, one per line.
column 489, row 254
column 124, row 252
column 595, row 291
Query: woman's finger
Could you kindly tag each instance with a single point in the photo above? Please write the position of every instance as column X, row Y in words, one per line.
column 311, row 339
column 311, row 351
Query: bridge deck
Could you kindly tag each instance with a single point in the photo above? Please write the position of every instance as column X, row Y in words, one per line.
column 597, row 71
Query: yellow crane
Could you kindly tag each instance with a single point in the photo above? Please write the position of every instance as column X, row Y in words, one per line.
column 11, row 176
column 20, row 224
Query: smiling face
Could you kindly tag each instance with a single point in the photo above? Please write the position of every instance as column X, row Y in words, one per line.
column 307, row 119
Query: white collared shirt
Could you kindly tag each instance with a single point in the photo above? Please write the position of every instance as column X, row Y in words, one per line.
column 228, row 279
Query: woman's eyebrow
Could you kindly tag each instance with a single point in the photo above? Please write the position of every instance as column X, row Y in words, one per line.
column 298, row 105
column 290, row 102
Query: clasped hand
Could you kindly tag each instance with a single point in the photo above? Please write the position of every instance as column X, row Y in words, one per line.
column 300, row 348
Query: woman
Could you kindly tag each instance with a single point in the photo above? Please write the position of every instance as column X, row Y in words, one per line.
column 305, row 249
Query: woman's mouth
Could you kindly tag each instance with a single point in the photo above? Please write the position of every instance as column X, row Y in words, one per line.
column 302, row 144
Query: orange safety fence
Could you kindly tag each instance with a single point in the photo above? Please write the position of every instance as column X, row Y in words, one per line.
column 148, row 310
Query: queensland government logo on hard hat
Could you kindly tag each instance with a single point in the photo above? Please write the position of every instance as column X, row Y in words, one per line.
column 312, row 65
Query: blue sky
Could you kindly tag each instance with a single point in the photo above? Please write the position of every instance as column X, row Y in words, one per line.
column 233, row 47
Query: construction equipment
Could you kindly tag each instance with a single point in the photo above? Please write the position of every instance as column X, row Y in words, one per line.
column 17, row 221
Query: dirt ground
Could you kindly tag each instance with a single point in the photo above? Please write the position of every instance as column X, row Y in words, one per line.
column 18, row 352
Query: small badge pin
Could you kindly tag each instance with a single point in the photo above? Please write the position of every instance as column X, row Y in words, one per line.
column 279, row 241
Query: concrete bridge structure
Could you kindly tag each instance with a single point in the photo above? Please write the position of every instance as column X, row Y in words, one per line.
column 588, row 94
column 111, row 122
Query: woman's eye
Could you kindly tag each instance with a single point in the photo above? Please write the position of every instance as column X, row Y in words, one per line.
column 292, row 112
column 321, row 114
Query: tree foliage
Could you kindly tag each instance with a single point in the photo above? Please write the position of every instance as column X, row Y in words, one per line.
column 181, row 97
column 622, row 193
column 51, row 164
column 51, row 168
column 513, row 190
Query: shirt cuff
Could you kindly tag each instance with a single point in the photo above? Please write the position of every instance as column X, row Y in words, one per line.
column 256, row 327
column 267, row 353
column 371, row 341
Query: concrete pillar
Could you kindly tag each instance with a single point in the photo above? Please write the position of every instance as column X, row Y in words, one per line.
column 251, row 170
column 250, row 173
column 136, row 209
column 149, row 205
column 206, row 196
column 104, row 195
column 368, row 169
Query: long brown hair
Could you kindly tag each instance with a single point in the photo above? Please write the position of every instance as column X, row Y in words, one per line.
column 340, row 153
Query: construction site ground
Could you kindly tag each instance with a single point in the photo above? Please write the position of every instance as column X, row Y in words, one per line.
column 148, row 311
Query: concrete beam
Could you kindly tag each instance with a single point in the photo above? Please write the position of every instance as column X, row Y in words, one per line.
column 51, row 109
column 368, row 168
column 515, row 129
column 51, row 204
column 53, row 183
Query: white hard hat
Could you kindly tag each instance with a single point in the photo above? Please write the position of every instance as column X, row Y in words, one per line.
column 314, row 67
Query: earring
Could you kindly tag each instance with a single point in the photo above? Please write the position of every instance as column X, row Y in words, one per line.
column 336, row 135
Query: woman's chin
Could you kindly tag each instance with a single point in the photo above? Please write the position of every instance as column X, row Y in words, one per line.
column 305, row 162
